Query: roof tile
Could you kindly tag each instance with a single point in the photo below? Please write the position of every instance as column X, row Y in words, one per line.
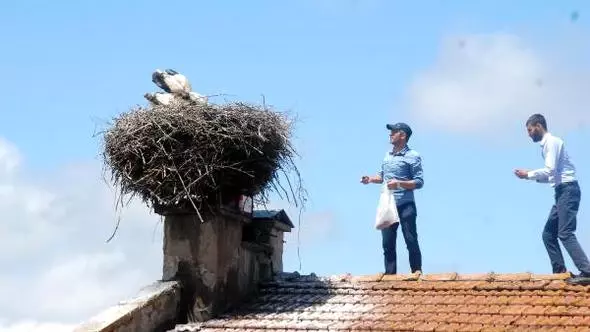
column 534, row 285
column 440, row 277
column 476, row 277
column 367, row 278
column 513, row 277
column 426, row 327
column 439, row 302
column 556, row 285
column 468, row 327
column 400, row 277
column 555, row 276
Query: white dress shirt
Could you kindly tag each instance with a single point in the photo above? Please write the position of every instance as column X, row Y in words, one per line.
column 558, row 166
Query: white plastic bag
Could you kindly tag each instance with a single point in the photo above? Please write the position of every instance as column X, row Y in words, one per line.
column 387, row 214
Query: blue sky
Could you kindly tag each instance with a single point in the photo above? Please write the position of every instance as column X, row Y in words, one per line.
column 464, row 75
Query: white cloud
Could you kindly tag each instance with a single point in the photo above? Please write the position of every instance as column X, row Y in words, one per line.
column 57, row 268
column 9, row 158
column 483, row 83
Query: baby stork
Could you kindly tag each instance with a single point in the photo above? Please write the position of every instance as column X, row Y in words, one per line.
column 171, row 81
column 175, row 84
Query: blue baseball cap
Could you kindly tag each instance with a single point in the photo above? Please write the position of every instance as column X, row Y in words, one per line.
column 400, row 126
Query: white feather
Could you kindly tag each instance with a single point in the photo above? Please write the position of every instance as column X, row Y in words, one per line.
column 197, row 97
column 177, row 83
column 159, row 98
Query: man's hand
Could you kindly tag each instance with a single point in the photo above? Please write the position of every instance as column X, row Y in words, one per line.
column 393, row 184
column 521, row 173
column 365, row 180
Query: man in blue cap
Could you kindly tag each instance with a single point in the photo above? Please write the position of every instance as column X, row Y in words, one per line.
column 401, row 169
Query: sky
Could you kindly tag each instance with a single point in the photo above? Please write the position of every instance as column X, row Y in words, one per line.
column 465, row 76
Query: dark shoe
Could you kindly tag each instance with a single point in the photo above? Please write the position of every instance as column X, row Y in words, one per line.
column 583, row 279
column 582, row 274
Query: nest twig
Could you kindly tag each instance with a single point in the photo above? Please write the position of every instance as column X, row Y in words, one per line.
column 193, row 155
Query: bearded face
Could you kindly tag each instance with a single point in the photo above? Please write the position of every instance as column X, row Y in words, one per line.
column 535, row 132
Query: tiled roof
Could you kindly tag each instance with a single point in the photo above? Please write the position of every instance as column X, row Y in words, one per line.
column 443, row 302
column 279, row 215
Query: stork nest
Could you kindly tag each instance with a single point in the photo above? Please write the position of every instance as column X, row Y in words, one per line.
column 189, row 155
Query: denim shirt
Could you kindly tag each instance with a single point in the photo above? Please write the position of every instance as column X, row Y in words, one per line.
column 404, row 165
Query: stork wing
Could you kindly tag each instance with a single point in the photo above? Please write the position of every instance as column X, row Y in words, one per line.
column 177, row 83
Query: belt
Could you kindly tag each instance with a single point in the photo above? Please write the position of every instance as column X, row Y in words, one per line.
column 565, row 184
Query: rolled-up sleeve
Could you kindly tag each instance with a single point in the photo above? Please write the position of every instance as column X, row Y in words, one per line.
column 417, row 173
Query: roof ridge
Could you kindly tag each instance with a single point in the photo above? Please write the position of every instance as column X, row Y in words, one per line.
column 449, row 276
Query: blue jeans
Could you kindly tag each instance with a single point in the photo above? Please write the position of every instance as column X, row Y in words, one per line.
column 408, row 214
column 561, row 225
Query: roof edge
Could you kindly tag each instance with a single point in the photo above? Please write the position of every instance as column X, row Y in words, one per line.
column 451, row 276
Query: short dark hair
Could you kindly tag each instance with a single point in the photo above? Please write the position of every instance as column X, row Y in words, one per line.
column 536, row 119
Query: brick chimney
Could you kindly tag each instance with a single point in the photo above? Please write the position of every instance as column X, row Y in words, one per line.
column 220, row 261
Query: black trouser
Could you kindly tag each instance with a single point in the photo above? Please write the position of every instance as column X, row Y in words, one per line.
column 561, row 225
column 408, row 214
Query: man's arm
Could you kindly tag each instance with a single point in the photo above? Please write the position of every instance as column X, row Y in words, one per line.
column 552, row 150
column 373, row 179
column 376, row 179
column 417, row 181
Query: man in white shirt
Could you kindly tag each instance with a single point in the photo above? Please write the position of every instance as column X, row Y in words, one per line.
column 561, row 224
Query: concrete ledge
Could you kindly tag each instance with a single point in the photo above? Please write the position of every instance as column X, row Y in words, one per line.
column 151, row 310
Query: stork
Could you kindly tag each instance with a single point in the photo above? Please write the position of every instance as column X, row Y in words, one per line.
column 171, row 81
column 175, row 85
column 159, row 98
